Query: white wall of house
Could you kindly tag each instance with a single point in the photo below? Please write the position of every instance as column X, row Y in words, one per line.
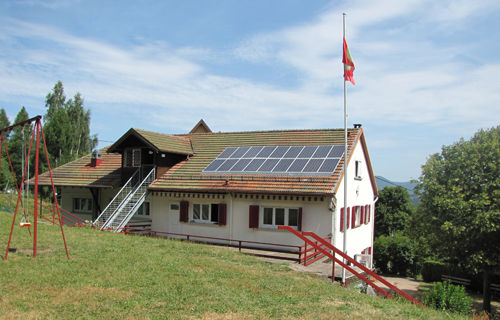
column 316, row 217
column 69, row 194
column 360, row 193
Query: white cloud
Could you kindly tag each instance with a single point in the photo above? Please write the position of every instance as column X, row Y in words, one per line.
column 405, row 76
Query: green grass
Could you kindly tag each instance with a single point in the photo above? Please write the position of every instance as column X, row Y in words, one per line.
column 119, row 276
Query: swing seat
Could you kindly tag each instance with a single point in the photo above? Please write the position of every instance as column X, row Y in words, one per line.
column 25, row 224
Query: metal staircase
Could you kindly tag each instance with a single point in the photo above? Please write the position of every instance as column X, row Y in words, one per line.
column 125, row 204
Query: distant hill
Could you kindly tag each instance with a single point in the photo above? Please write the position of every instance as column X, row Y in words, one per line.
column 384, row 182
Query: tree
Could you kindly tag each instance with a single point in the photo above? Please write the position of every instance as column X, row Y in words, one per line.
column 6, row 174
column 67, row 127
column 4, row 120
column 57, row 136
column 54, row 101
column 80, row 142
column 460, row 191
column 19, row 144
column 393, row 211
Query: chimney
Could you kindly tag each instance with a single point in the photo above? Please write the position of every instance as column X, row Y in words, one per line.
column 357, row 125
column 96, row 158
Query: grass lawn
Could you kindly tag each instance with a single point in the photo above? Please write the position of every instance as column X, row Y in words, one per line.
column 128, row 277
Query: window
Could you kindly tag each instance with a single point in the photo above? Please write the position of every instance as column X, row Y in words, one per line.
column 82, row 205
column 273, row 217
column 215, row 213
column 143, row 209
column 358, row 169
column 132, row 158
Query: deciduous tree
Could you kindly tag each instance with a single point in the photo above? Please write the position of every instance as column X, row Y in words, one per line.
column 393, row 210
column 460, row 192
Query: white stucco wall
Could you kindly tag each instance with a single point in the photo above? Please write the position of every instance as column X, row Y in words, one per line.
column 360, row 193
column 316, row 217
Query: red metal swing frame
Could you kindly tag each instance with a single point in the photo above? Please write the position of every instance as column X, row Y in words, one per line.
column 39, row 132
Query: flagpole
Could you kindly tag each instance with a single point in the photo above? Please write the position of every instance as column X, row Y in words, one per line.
column 345, row 161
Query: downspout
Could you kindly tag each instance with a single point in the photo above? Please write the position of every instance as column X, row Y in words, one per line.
column 333, row 209
column 373, row 228
column 231, row 218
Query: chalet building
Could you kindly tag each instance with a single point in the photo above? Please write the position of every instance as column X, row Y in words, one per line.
column 231, row 185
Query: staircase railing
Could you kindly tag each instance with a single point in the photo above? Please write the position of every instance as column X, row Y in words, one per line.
column 129, row 205
column 114, row 205
column 320, row 245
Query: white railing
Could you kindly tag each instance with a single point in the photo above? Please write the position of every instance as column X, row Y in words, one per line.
column 129, row 205
column 114, row 205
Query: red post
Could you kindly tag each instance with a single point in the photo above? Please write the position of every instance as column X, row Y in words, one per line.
column 37, row 125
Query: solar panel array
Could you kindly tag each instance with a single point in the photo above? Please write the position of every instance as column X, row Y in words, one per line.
column 277, row 160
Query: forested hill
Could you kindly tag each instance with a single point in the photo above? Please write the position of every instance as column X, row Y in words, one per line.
column 384, row 182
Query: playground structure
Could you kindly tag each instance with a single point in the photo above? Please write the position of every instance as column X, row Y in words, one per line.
column 37, row 133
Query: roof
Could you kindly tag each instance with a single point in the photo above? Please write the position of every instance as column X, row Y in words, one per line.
column 79, row 173
column 186, row 176
column 159, row 142
column 202, row 149
column 200, row 127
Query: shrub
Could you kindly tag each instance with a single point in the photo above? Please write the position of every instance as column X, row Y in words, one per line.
column 398, row 251
column 446, row 296
column 381, row 253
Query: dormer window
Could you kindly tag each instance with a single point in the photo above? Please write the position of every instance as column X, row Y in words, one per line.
column 132, row 158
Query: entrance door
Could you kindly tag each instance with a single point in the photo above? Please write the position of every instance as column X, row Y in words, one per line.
column 173, row 217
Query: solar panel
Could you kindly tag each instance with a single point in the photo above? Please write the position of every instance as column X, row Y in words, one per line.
column 227, row 165
column 277, row 160
column 321, row 152
column 241, row 164
column 313, row 165
column 240, row 152
column 307, row 152
column 293, row 152
column 283, row 165
column 254, row 165
column 266, row 152
column 252, row 152
column 268, row 165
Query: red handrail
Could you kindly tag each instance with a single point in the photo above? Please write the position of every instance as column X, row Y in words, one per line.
column 240, row 242
column 345, row 256
column 75, row 223
column 315, row 256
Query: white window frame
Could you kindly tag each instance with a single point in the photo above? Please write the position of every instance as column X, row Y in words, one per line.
column 358, row 170
column 79, row 203
column 274, row 224
column 200, row 217
column 135, row 164
column 357, row 221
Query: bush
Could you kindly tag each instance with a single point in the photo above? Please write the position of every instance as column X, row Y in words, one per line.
column 433, row 270
column 398, row 251
column 445, row 296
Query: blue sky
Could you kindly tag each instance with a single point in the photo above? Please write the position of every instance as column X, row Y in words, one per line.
column 427, row 72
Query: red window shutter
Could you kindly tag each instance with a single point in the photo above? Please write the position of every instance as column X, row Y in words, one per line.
column 254, row 217
column 222, row 214
column 369, row 212
column 348, row 216
column 184, row 213
column 362, row 218
column 363, row 252
column 369, row 250
column 299, row 226
column 354, row 212
column 341, row 219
